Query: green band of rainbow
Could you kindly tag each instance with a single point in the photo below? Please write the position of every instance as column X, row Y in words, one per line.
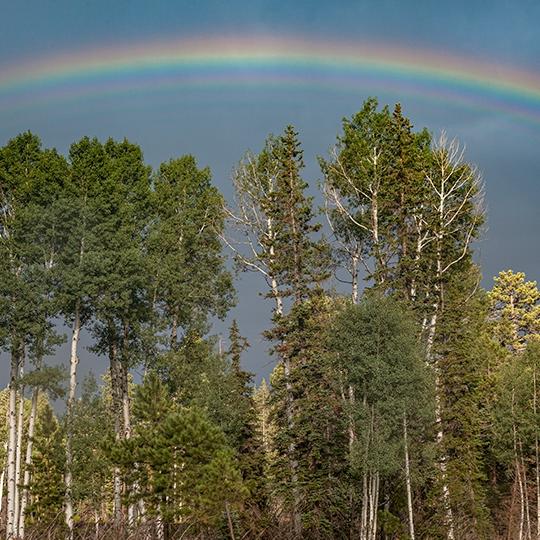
column 218, row 62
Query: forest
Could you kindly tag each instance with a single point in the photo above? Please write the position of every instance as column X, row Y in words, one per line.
column 403, row 399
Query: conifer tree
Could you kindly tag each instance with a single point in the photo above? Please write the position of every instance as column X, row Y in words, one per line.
column 45, row 512
column 189, row 473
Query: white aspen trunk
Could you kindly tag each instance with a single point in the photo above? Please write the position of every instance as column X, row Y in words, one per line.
column 436, row 306
column 273, row 281
column 375, row 233
column 96, row 524
column 3, row 475
column 160, row 529
column 352, row 435
column 2, row 482
column 127, row 434
column 408, row 478
column 518, row 473
column 28, row 461
column 528, row 527
column 521, row 501
column 363, row 523
column 536, row 456
column 18, row 463
column 375, row 505
column 12, row 443
column 371, row 500
column 126, row 414
column 354, row 277
column 68, row 475
column 118, row 431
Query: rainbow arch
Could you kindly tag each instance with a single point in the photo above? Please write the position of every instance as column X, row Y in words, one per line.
column 211, row 62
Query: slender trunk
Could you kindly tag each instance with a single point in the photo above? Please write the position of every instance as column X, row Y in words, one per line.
column 229, row 521
column 118, row 431
column 68, row 474
column 354, row 276
column 12, row 442
column 375, row 505
column 273, row 281
column 437, row 307
column 160, row 529
column 96, row 524
column 18, row 463
column 536, row 456
column 526, row 493
column 126, row 416
column 3, row 475
column 28, row 460
column 363, row 522
column 408, row 478
column 173, row 340
column 352, row 435
column 2, row 482
column 518, row 472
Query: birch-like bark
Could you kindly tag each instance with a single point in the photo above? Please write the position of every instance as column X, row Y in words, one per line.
column 68, row 475
column 117, row 413
column 536, row 455
column 408, row 478
column 28, row 462
column 3, row 475
column 18, row 463
column 12, row 442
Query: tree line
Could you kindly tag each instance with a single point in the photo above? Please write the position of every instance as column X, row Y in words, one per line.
column 403, row 402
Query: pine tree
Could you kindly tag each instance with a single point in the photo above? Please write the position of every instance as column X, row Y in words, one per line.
column 45, row 512
column 190, row 474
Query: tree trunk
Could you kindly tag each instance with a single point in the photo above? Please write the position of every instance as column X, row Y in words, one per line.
column 536, row 456
column 3, row 480
column 12, row 442
column 354, row 276
column 229, row 521
column 18, row 453
column 28, row 460
column 173, row 339
column 68, row 475
column 408, row 478
column 118, row 428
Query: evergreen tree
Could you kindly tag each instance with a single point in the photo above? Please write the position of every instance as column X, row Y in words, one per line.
column 314, row 435
column 45, row 511
column 189, row 473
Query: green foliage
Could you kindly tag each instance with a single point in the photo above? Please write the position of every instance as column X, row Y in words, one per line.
column 181, row 461
column 92, row 429
column 298, row 261
column 47, row 488
column 189, row 279
column 313, row 437
column 376, row 347
column 515, row 310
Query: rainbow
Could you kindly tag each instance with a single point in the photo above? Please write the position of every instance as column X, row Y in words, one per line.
column 271, row 62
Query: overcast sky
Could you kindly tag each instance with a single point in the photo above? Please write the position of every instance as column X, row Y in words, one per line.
column 218, row 125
